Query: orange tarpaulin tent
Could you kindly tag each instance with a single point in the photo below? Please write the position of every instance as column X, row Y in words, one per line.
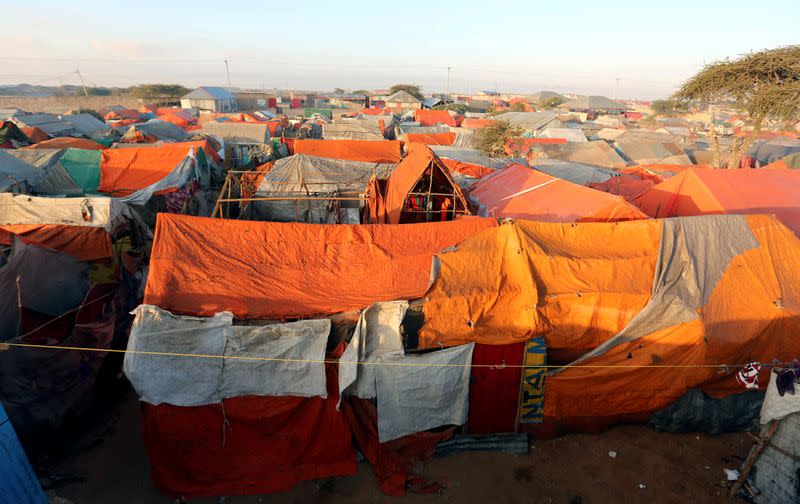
column 700, row 292
column 66, row 143
column 419, row 162
column 699, row 191
column 201, row 266
column 629, row 187
column 177, row 117
column 370, row 151
column 445, row 138
column 427, row 117
column 125, row 171
column 83, row 242
column 35, row 134
column 473, row 123
column 468, row 169
column 519, row 192
column 373, row 111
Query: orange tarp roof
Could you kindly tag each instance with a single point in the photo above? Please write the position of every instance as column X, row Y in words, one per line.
column 699, row 191
column 125, row 171
column 373, row 111
column 427, row 117
column 468, row 169
column 35, row 134
column 473, row 123
column 66, row 143
column 519, row 192
column 177, row 117
column 406, row 175
column 86, row 243
column 279, row 270
column 445, row 138
column 720, row 290
column 122, row 114
column 370, row 151
column 629, row 187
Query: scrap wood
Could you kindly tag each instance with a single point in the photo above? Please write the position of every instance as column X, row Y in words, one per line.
column 763, row 441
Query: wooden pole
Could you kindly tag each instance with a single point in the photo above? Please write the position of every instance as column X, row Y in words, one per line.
column 751, row 459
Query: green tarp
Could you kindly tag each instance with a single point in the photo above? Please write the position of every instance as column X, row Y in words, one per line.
column 323, row 112
column 84, row 168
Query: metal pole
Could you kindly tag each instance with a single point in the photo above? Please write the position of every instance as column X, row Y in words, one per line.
column 447, row 89
column 228, row 73
column 616, row 88
column 86, row 93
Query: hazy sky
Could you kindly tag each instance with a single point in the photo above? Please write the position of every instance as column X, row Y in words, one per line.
column 513, row 46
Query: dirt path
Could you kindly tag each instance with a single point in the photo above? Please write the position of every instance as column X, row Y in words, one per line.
column 675, row 468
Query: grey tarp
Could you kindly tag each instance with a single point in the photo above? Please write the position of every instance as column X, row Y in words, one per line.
column 56, row 179
column 769, row 151
column 377, row 334
column 299, row 177
column 16, row 173
column 160, row 130
column 351, row 131
column 237, row 133
column 597, row 153
column 576, row 173
column 420, row 392
column 695, row 411
column 693, row 255
column 532, row 122
column 474, row 156
column 87, row 125
column 195, row 381
column 645, row 152
column 45, row 281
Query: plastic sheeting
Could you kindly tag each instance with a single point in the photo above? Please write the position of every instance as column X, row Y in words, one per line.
column 83, row 166
column 420, row 392
column 696, row 411
column 778, row 406
column 201, row 266
column 238, row 133
column 597, row 153
column 155, row 130
column 16, row 172
column 376, row 335
column 350, row 131
column 42, row 280
column 56, row 179
column 181, row 380
column 94, row 211
column 386, row 151
column 576, row 173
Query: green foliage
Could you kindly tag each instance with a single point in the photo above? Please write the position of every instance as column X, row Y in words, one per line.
column 339, row 90
column 98, row 91
column 492, row 139
column 412, row 89
column 550, row 103
column 667, row 106
column 361, row 91
column 458, row 108
column 150, row 91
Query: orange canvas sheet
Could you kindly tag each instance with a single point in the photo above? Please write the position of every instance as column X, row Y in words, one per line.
column 125, row 171
column 699, row 191
column 519, row 192
column 35, row 134
column 473, row 123
column 66, row 143
column 83, row 242
column 370, row 151
column 446, row 138
column 580, row 284
column 178, row 118
column 373, row 111
column 468, row 169
column 275, row 270
column 427, row 117
column 629, row 187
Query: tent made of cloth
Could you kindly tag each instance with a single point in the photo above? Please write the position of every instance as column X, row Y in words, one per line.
column 16, row 175
column 126, row 171
column 701, row 191
column 443, row 138
column 474, row 156
column 577, row 173
column 66, row 143
column 154, row 130
column 521, row 146
column 305, row 181
column 698, row 292
column 568, row 134
column 428, row 117
column 352, row 131
column 178, row 117
column 629, row 187
column 200, row 266
column 421, row 189
column 637, row 152
column 83, row 166
column 56, row 181
column 519, row 192
column 242, row 133
column 385, row 151
column 475, row 123
column 14, row 137
column 597, row 153
column 769, row 151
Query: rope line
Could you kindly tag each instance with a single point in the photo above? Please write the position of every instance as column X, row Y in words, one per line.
column 5, row 346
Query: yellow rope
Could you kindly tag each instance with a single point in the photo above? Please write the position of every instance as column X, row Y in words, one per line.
column 364, row 363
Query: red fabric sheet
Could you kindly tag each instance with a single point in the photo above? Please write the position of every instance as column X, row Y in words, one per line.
column 494, row 391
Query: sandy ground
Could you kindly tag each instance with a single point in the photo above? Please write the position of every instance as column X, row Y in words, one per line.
column 675, row 468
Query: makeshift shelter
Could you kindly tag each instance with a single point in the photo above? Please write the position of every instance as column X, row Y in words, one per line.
column 238, row 133
column 317, row 190
column 568, row 134
column 468, row 165
column 386, row 151
column 475, row 123
column 352, row 131
column 773, row 150
column 709, row 294
column 651, row 152
column 12, row 137
column 176, row 116
column 56, row 180
column 594, row 103
column 154, row 130
column 16, row 175
column 534, row 123
column 519, row 192
column 51, row 124
column 66, row 143
column 402, row 100
column 420, row 189
column 427, row 117
column 629, row 187
column 444, row 138
column 520, row 146
column 202, row 266
column 214, row 99
column 576, row 173
column 597, row 153
column 35, row 134
column 87, row 125
column 699, row 191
